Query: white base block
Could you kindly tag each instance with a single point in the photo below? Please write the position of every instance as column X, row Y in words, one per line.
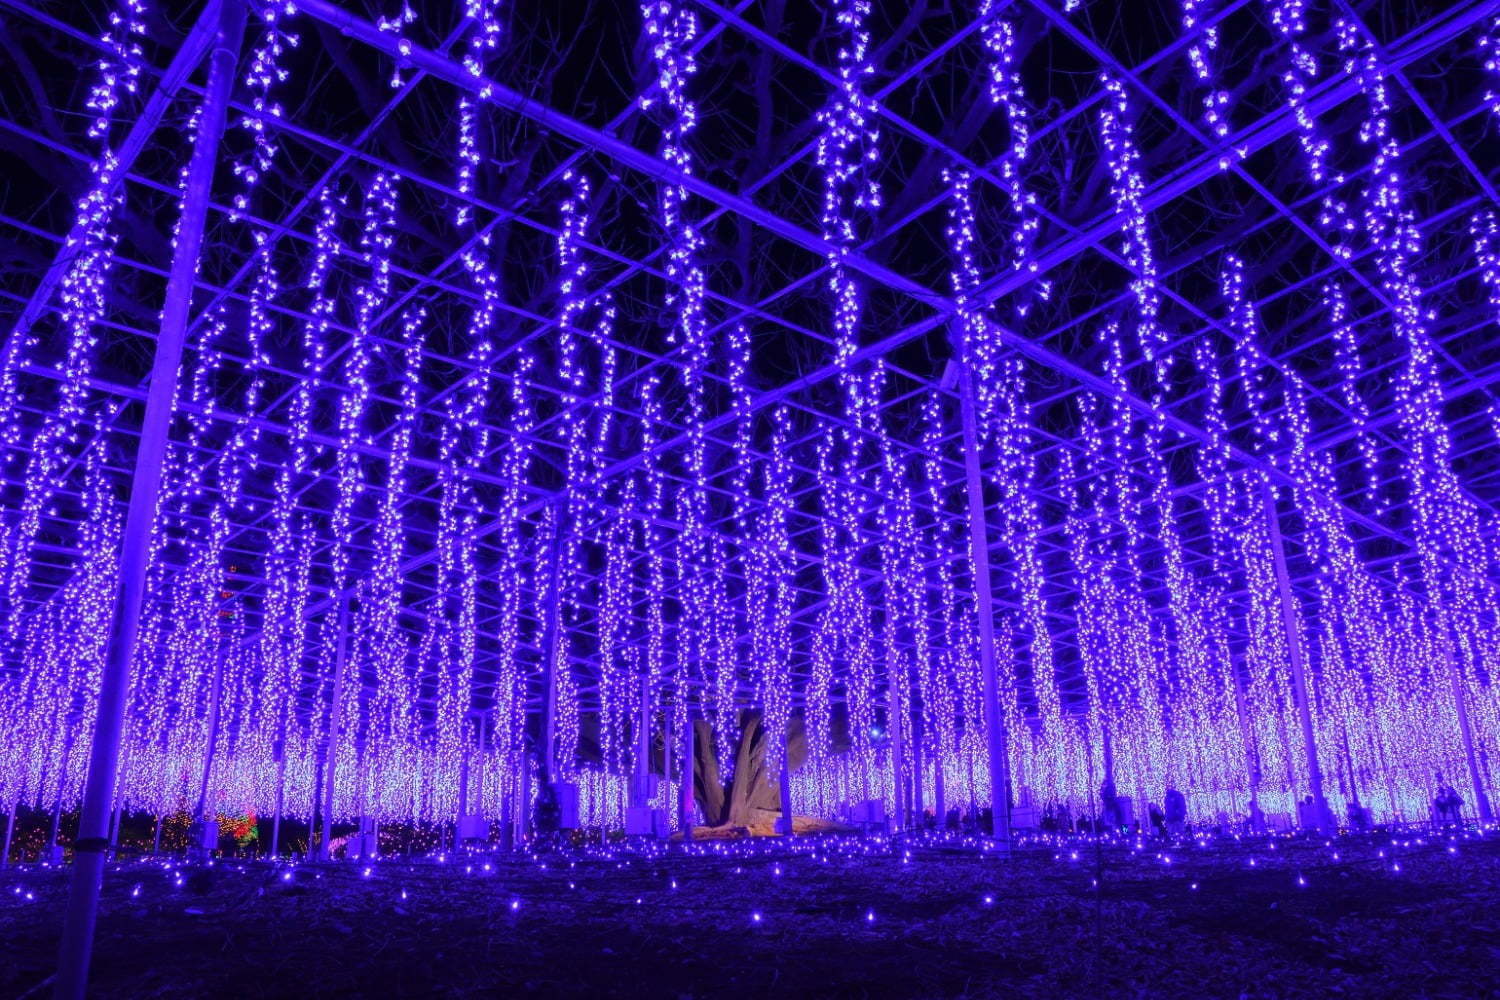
column 54, row 854
column 566, row 794
column 473, row 828
column 643, row 788
column 1025, row 818
column 204, row 836
column 869, row 811
column 784, row 826
column 364, row 846
column 640, row 821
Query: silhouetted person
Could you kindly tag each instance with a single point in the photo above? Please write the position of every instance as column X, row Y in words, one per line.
column 1176, row 809
column 1109, row 805
column 1447, row 807
column 1158, row 820
column 548, row 813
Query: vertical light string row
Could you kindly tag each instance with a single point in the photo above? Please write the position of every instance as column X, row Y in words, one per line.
column 483, row 42
column 847, row 153
column 653, row 491
column 394, row 720
column 573, row 431
column 1006, row 90
column 672, row 30
column 1451, row 554
column 1200, row 57
column 1346, row 346
column 1128, row 187
column 775, row 595
column 90, row 253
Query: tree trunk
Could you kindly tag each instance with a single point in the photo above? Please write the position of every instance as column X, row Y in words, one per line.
column 752, row 795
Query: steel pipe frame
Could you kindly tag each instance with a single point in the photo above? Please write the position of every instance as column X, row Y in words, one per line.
column 371, row 36
column 1169, row 47
column 1068, row 28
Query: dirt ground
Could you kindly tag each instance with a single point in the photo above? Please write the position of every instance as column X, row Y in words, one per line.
column 830, row 916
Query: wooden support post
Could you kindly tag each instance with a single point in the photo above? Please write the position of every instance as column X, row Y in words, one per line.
column 995, row 735
column 135, row 545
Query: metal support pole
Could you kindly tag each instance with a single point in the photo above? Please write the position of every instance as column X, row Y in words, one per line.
column 898, row 762
column 939, row 785
column 550, row 649
column 135, row 547
column 10, row 828
column 278, row 753
column 643, row 742
column 523, row 799
column 1349, row 766
column 1294, row 658
column 995, row 735
column 335, row 723
column 685, row 798
column 479, row 782
column 114, row 829
column 1252, row 755
column 785, row 779
column 463, row 799
column 211, row 744
column 1465, row 730
column 56, row 825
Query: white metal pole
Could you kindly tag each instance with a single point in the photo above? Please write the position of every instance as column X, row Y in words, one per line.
column 335, row 723
column 685, row 798
column 135, row 547
column 995, row 735
column 1294, row 658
